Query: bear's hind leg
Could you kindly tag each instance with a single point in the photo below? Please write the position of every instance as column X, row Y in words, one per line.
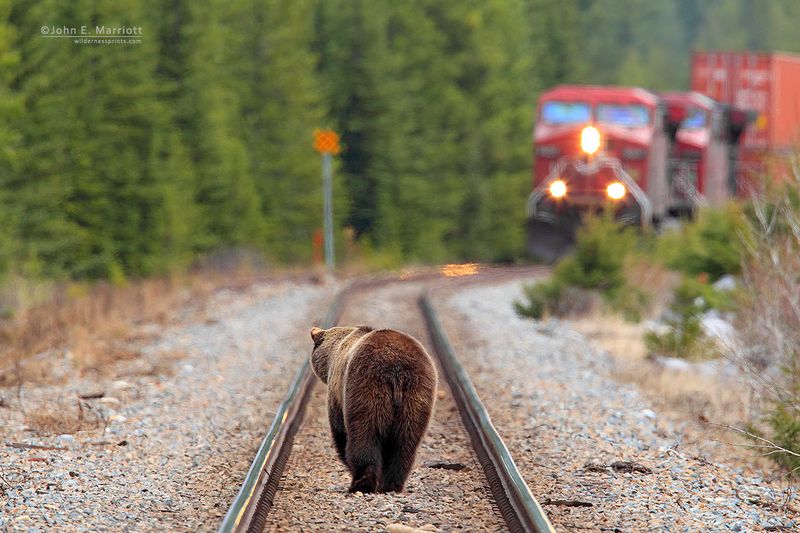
column 400, row 451
column 336, row 420
column 367, row 415
column 364, row 460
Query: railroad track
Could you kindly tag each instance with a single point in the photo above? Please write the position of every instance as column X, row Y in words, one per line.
column 511, row 503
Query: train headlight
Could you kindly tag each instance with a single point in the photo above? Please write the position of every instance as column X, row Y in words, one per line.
column 558, row 189
column 615, row 191
column 590, row 140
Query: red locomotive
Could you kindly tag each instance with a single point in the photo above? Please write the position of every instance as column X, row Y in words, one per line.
column 643, row 155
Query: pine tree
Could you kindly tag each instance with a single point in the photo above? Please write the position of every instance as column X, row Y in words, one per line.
column 555, row 41
column 357, row 70
column 282, row 105
column 91, row 196
column 54, row 146
column 10, row 108
column 644, row 47
column 228, row 199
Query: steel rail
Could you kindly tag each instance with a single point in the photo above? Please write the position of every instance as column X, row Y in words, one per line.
column 519, row 508
column 249, row 509
column 248, row 512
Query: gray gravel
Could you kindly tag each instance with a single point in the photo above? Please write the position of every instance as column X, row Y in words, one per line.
column 567, row 423
column 184, row 421
column 314, row 493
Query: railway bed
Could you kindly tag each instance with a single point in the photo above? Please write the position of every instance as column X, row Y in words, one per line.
column 593, row 451
column 189, row 412
column 448, row 488
column 597, row 453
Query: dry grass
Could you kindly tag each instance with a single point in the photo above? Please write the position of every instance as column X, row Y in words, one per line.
column 769, row 315
column 52, row 420
column 90, row 323
column 686, row 392
column 62, row 416
column 95, row 325
column 691, row 393
column 654, row 279
column 621, row 338
column 709, row 400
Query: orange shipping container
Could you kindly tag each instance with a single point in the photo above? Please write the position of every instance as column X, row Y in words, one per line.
column 766, row 83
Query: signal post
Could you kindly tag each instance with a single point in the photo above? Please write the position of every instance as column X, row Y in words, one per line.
column 326, row 142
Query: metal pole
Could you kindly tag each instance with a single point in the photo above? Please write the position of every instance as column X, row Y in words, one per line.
column 327, row 186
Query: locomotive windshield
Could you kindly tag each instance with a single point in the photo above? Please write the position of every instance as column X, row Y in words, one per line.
column 696, row 119
column 566, row 112
column 631, row 116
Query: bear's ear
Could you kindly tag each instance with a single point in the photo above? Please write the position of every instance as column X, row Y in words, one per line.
column 317, row 334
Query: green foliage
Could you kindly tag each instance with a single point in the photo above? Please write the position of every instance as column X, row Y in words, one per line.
column 785, row 423
column 539, row 298
column 281, row 107
column 601, row 246
column 684, row 336
column 713, row 245
column 633, row 42
column 597, row 264
column 126, row 160
column 437, row 129
column 10, row 110
column 705, row 250
column 769, row 317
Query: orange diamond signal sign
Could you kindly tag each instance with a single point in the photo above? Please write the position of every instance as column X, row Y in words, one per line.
column 326, row 141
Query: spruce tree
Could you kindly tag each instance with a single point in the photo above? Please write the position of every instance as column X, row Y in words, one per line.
column 229, row 203
column 10, row 109
column 282, row 104
column 92, row 195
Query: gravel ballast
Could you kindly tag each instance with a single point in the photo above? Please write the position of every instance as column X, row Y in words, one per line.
column 593, row 451
column 170, row 433
column 447, row 489
column 179, row 437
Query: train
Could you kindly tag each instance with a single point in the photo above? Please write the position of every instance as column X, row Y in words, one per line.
column 647, row 156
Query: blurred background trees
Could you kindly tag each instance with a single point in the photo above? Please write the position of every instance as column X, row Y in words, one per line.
column 128, row 160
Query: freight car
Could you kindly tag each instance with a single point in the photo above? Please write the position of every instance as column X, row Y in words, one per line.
column 768, row 86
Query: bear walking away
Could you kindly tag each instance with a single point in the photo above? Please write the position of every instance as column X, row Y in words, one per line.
column 381, row 387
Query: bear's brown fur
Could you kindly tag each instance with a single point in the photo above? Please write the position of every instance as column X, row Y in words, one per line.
column 381, row 388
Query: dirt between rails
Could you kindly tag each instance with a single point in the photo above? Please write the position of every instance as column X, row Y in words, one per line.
column 447, row 488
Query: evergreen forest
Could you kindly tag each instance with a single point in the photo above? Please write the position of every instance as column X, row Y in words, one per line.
column 127, row 160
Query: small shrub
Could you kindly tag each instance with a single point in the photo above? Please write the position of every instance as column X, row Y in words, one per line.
column 630, row 301
column 769, row 315
column 597, row 265
column 709, row 248
column 684, row 336
column 714, row 244
column 785, row 423
column 552, row 297
column 601, row 247
column 539, row 299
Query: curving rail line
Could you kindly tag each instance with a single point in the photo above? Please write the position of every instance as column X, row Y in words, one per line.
column 251, row 505
column 518, row 507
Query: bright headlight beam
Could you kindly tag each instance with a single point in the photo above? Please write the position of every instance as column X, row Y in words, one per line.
column 615, row 191
column 590, row 140
column 558, row 189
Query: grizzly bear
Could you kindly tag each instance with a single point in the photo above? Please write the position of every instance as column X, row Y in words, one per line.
column 381, row 388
